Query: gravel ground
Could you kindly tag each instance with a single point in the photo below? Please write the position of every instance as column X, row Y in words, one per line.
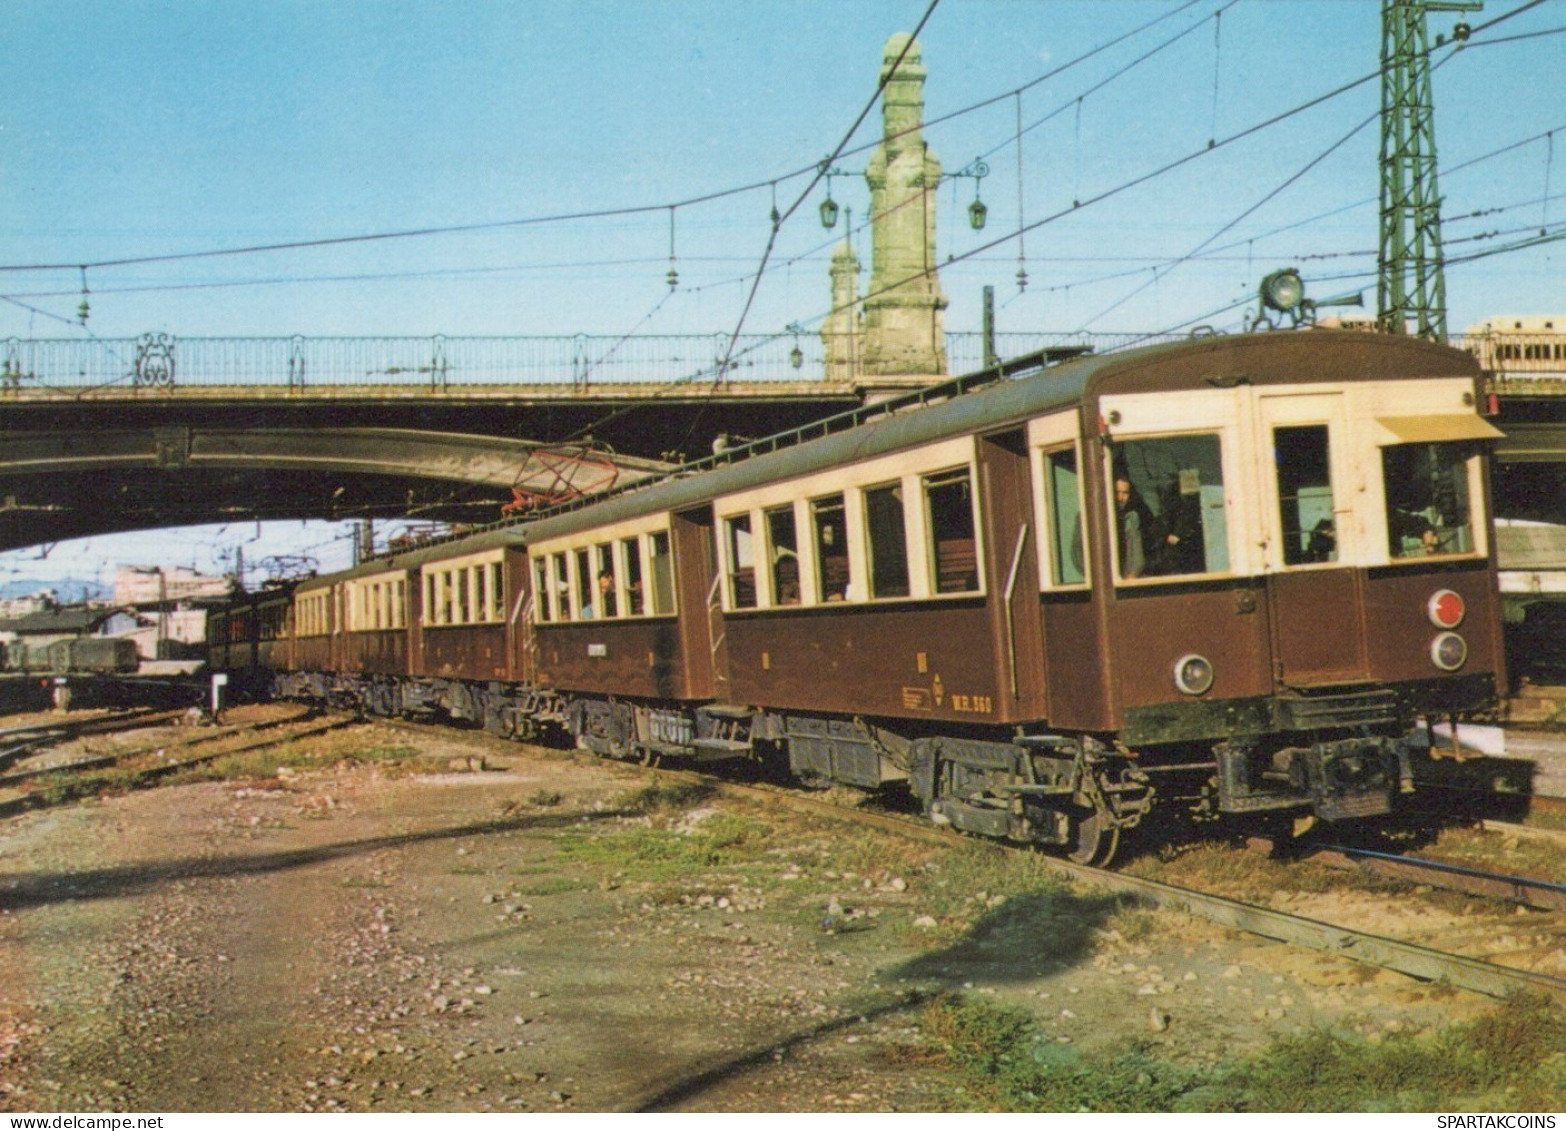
column 339, row 934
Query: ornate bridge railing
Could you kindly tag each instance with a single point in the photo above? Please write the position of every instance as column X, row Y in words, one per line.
column 162, row 362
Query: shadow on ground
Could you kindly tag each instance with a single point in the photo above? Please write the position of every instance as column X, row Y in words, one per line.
column 1027, row 938
column 40, row 889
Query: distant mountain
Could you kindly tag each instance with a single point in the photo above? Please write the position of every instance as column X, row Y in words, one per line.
column 68, row 589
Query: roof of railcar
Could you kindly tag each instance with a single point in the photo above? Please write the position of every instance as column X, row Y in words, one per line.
column 958, row 408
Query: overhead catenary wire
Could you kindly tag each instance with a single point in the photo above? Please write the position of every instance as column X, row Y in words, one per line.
column 770, row 184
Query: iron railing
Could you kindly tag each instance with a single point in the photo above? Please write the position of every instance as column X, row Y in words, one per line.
column 164, row 363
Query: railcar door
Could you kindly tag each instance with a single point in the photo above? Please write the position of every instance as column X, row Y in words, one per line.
column 1314, row 594
column 703, row 635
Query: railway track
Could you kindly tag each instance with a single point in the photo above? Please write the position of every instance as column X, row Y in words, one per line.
column 1526, row 890
column 1412, row 959
column 161, row 763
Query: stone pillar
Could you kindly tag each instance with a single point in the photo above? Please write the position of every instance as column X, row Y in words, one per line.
column 842, row 334
column 905, row 324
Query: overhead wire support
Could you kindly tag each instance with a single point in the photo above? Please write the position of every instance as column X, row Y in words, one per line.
column 1411, row 290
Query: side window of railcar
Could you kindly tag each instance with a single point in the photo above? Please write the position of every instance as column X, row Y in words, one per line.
column 562, row 587
column 606, row 582
column 586, row 606
column 830, row 525
column 953, row 549
column 888, row 541
column 630, row 550
column 1305, row 512
column 660, row 560
column 541, row 603
column 1428, row 510
column 497, row 591
column 1063, row 495
column 1169, row 507
column 741, row 561
column 783, row 553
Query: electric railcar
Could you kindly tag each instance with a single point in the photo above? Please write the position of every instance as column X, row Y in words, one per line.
column 1229, row 575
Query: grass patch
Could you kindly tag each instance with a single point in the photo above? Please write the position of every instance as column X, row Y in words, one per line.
column 1498, row 851
column 546, row 798
column 556, row 886
column 1249, row 876
column 663, row 798
column 1508, row 1060
column 663, row 852
column 965, row 883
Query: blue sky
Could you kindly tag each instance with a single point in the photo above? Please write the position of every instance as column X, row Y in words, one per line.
column 135, row 129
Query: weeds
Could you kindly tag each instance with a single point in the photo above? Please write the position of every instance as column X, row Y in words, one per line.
column 651, row 853
column 662, row 798
column 1510, row 1059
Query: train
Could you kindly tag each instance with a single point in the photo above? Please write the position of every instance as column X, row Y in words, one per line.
column 82, row 654
column 1231, row 577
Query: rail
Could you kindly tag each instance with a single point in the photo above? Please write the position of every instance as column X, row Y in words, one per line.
column 163, row 363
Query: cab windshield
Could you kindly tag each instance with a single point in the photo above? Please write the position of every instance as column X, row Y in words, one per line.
column 1428, row 507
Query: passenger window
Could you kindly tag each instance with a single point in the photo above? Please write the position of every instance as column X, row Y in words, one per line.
column 783, row 553
column 607, row 596
column 742, row 562
column 831, row 533
column 1305, row 513
column 541, row 603
column 1169, row 507
column 585, row 589
column 1428, row 509
column 661, row 563
column 630, row 549
column 497, row 591
column 1063, row 493
column 562, row 587
column 888, row 540
column 954, row 551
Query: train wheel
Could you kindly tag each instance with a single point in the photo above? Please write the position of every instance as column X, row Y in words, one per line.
column 1094, row 838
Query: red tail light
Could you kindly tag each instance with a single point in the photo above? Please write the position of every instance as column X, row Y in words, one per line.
column 1446, row 609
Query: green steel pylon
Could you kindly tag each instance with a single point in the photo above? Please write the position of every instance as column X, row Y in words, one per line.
column 1411, row 292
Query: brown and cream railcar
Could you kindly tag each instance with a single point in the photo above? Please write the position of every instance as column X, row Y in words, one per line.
column 1231, row 572
column 249, row 637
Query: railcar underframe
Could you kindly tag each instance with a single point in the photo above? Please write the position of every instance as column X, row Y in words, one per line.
column 1078, row 792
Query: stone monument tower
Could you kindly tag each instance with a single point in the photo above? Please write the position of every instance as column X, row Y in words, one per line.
column 904, row 321
column 842, row 333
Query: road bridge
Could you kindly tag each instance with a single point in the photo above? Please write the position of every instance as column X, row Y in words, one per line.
column 99, row 436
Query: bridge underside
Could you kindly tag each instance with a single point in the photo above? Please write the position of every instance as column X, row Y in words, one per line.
column 109, row 466
column 106, row 466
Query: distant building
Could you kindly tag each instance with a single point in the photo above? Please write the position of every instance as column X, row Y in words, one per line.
column 144, row 586
column 1520, row 345
column 13, row 607
column 171, row 605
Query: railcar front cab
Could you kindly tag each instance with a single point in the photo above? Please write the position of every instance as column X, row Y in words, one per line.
column 1299, row 572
